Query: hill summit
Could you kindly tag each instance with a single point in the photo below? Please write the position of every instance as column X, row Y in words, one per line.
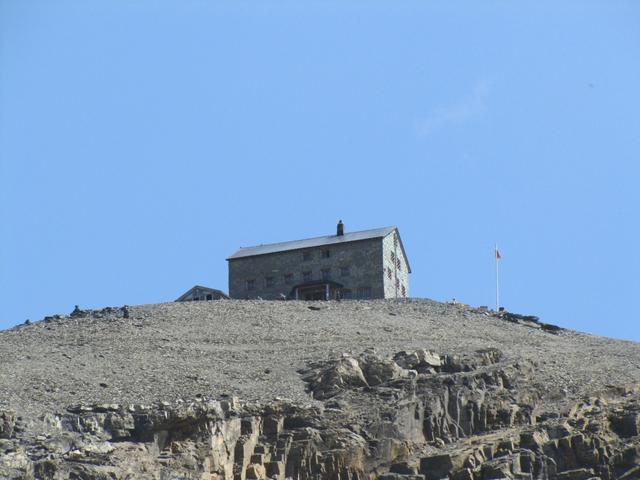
column 390, row 389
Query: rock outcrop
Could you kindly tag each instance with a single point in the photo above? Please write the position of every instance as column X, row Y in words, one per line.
column 411, row 413
column 416, row 415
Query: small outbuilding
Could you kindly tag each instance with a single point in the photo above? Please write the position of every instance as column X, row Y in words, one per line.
column 200, row 293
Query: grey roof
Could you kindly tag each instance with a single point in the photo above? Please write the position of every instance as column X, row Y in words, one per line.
column 205, row 289
column 311, row 242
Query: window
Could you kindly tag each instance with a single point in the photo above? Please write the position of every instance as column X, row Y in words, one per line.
column 251, row 284
column 389, row 273
column 306, row 256
column 345, row 272
column 397, row 283
column 288, row 278
column 326, row 273
column 269, row 281
column 398, row 264
column 326, row 253
column 364, row 292
column 404, row 291
column 209, row 296
column 306, row 276
column 393, row 257
column 346, row 293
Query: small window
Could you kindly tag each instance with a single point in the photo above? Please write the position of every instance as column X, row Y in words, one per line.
column 306, row 276
column 269, row 281
column 345, row 271
column 326, row 273
column 288, row 278
column 209, row 296
column 326, row 253
column 398, row 264
column 364, row 292
column 346, row 293
column 306, row 256
column 251, row 284
column 404, row 291
column 393, row 257
column 196, row 299
column 389, row 273
column 397, row 283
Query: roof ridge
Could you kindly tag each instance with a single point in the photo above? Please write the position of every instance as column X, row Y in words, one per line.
column 316, row 238
column 311, row 242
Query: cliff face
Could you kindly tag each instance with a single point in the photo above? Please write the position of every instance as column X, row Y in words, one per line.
column 412, row 413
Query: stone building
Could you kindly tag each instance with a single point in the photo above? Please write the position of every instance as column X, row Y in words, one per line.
column 199, row 292
column 360, row 265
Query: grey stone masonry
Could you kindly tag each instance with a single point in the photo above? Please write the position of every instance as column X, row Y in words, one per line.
column 396, row 267
column 368, row 264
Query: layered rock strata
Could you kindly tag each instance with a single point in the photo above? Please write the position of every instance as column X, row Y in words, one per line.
column 414, row 415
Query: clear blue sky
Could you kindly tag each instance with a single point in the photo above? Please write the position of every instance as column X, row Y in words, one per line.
column 142, row 142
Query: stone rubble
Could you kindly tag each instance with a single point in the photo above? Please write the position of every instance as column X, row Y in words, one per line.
column 318, row 401
column 464, row 418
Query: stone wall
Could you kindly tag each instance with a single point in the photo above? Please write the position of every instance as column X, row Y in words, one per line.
column 392, row 252
column 363, row 257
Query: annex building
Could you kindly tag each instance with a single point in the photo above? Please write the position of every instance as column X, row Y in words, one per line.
column 198, row 293
column 354, row 265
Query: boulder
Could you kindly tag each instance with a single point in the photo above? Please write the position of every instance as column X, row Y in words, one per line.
column 423, row 361
column 533, row 440
column 256, row 471
column 407, row 360
column 576, row 474
column 429, row 358
column 337, row 376
column 404, row 468
column 7, row 423
column 436, row 467
column 400, row 476
column 464, row 474
column 625, row 423
column 377, row 370
column 498, row 469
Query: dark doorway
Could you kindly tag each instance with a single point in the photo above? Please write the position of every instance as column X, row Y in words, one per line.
column 316, row 290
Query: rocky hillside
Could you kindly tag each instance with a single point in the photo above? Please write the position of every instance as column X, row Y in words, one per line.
column 329, row 390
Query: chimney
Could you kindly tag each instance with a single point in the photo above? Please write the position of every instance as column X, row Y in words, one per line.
column 340, row 229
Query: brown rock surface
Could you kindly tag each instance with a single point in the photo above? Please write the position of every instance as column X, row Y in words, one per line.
column 242, row 389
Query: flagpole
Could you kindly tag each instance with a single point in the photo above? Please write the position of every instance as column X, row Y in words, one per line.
column 495, row 254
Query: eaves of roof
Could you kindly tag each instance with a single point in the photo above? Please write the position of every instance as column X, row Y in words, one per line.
column 311, row 243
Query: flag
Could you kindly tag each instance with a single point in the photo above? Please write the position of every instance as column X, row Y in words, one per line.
column 498, row 256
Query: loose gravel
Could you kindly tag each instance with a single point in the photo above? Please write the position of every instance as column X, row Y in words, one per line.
column 253, row 349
